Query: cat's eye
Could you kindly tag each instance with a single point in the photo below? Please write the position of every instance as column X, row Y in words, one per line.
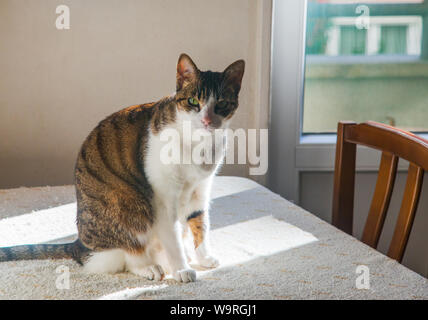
column 221, row 104
column 221, row 108
column 193, row 102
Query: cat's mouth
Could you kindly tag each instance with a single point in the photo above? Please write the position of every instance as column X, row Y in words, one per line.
column 209, row 128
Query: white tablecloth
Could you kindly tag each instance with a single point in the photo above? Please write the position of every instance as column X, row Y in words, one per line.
column 268, row 249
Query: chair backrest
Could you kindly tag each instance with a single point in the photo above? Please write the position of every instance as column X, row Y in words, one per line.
column 394, row 144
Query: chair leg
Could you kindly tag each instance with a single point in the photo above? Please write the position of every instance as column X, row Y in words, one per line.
column 344, row 181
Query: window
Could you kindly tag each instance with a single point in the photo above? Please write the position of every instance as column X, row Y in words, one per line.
column 366, row 62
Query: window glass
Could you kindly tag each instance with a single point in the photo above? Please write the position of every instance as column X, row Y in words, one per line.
column 366, row 61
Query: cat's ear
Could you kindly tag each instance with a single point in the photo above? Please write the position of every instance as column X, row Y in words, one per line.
column 233, row 75
column 187, row 71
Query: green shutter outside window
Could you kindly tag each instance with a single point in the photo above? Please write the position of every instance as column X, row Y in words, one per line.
column 393, row 40
column 352, row 41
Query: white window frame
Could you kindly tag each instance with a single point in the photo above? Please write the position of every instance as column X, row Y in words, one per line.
column 290, row 153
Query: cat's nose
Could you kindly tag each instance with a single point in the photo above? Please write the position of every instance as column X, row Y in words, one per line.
column 206, row 121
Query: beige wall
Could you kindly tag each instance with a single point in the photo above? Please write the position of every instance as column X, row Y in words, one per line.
column 56, row 85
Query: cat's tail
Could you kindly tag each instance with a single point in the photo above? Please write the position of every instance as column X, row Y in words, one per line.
column 75, row 250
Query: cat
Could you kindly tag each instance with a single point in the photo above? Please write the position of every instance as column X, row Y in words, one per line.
column 133, row 210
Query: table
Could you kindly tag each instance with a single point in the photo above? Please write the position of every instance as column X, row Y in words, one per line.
column 268, row 247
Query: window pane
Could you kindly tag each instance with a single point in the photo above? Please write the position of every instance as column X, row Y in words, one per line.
column 366, row 62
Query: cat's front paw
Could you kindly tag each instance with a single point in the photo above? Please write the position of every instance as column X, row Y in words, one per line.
column 186, row 275
column 154, row 272
column 208, row 262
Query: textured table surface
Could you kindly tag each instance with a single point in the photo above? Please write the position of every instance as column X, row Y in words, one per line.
column 268, row 249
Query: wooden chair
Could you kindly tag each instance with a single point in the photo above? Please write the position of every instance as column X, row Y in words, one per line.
column 394, row 143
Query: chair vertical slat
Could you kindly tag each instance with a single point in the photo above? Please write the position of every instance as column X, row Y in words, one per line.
column 381, row 199
column 344, row 181
column 407, row 212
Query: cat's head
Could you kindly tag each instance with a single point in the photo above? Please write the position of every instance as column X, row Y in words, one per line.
column 207, row 99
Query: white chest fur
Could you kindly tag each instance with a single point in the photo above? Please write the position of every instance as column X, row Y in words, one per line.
column 178, row 185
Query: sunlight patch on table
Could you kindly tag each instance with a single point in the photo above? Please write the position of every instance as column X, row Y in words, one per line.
column 244, row 241
column 40, row 226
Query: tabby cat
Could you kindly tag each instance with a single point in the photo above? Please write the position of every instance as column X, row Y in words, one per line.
column 133, row 209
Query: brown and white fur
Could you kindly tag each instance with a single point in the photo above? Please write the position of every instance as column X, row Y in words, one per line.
column 134, row 209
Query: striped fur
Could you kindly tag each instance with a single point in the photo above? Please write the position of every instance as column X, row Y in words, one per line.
column 74, row 250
